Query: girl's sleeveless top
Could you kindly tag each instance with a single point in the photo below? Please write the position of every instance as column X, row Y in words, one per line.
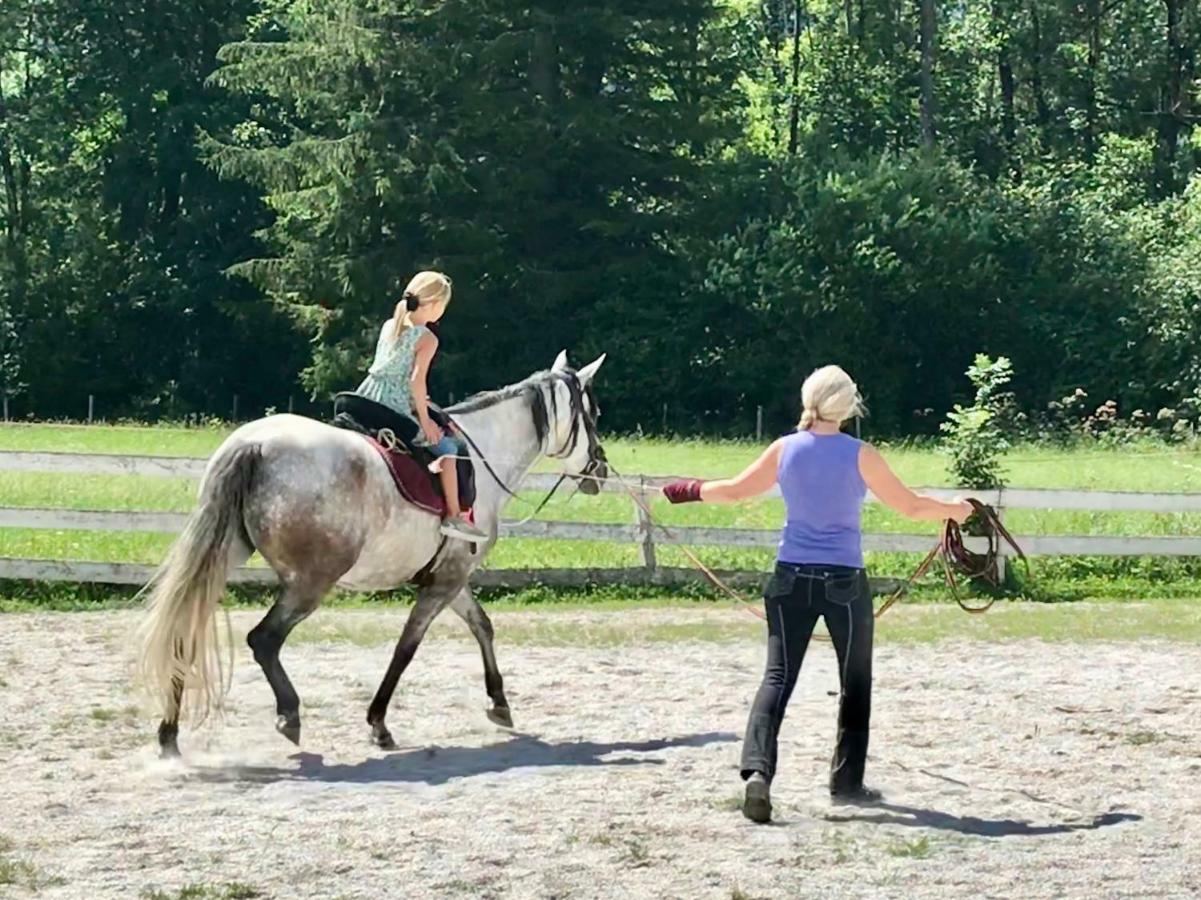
column 823, row 493
column 390, row 379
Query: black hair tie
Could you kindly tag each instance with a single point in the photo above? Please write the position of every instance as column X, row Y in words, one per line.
column 411, row 301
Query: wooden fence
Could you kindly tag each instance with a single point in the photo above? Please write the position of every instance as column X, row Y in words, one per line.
column 641, row 532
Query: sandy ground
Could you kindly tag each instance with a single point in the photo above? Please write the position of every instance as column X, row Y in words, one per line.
column 1010, row 770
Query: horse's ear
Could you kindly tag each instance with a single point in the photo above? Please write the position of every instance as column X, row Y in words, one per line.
column 589, row 371
column 560, row 362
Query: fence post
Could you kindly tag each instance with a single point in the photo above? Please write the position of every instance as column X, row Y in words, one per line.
column 759, row 424
column 6, row 407
column 91, row 407
column 289, row 403
column 646, row 535
column 1001, row 544
column 234, row 417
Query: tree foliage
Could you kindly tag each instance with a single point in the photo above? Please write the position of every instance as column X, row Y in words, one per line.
column 224, row 197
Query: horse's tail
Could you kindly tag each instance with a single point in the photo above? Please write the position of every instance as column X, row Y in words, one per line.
column 179, row 637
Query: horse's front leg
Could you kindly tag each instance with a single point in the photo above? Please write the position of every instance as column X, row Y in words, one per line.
column 430, row 601
column 477, row 620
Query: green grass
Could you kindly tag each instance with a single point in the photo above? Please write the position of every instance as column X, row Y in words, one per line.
column 1177, row 621
column 920, row 848
column 231, row 891
column 1149, row 467
column 21, row 873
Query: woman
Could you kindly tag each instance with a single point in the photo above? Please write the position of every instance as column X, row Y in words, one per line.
column 823, row 475
column 397, row 379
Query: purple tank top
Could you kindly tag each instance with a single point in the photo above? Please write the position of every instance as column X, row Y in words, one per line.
column 823, row 492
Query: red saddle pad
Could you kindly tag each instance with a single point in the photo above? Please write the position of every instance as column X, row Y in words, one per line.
column 415, row 482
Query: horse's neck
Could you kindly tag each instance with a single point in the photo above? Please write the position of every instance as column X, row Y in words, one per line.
column 505, row 435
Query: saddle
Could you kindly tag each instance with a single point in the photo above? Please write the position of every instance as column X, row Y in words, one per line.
column 394, row 438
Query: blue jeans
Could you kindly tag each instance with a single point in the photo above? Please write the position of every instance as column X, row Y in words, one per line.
column 448, row 446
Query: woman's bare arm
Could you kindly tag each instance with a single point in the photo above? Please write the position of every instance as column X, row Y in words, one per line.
column 756, row 478
column 892, row 492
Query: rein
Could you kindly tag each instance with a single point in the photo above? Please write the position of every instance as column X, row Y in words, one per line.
column 576, row 392
column 957, row 560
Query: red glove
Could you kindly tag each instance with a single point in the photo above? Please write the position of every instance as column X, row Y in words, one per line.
column 687, row 490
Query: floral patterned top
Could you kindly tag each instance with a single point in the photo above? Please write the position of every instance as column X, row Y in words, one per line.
column 390, row 379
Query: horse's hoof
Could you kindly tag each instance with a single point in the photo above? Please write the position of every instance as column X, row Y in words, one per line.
column 382, row 738
column 500, row 715
column 169, row 750
column 289, row 727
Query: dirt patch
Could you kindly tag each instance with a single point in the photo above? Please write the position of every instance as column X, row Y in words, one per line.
column 1010, row 769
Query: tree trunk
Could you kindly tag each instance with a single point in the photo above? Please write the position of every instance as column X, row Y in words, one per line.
column 1090, row 85
column 794, row 115
column 544, row 64
column 775, row 31
column 1172, row 101
column 1042, row 111
column 929, row 37
column 15, row 173
column 1006, row 78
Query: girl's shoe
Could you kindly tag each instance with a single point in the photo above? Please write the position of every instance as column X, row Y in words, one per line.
column 458, row 527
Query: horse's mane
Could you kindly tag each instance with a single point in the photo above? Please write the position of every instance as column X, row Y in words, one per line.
column 531, row 391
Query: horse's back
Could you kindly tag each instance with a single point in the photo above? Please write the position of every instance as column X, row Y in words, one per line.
column 323, row 500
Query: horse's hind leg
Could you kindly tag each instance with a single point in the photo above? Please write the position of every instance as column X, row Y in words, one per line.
column 266, row 639
column 477, row 620
column 168, row 728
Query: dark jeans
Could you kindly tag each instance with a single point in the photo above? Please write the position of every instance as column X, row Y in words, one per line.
column 795, row 597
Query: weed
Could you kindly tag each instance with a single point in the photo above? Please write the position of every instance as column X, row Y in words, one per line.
column 915, row 849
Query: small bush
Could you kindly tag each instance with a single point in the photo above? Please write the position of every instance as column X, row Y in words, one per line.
column 975, row 437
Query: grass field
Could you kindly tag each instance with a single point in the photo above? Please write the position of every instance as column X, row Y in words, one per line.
column 1148, row 467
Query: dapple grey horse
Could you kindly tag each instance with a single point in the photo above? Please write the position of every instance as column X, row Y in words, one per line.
column 320, row 506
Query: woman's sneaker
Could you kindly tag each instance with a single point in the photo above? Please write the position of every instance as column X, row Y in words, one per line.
column 859, row 796
column 458, row 527
column 756, row 806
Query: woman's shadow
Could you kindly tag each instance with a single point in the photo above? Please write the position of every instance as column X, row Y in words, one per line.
column 915, row 817
column 437, row 765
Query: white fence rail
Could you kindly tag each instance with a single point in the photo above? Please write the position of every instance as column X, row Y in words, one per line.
column 642, row 533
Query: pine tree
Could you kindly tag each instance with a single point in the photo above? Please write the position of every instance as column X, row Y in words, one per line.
column 537, row 154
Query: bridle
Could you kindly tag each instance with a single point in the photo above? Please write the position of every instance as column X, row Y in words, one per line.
column 585, row 414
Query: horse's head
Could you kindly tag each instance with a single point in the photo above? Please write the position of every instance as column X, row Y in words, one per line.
column 572, row 414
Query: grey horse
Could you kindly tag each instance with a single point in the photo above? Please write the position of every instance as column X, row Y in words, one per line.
column 319, row 504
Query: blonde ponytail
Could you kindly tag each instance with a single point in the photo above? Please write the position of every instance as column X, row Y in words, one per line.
column 829, row 395
column 424, row 289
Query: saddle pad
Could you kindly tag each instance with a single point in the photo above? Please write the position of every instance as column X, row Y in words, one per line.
column 413, row 480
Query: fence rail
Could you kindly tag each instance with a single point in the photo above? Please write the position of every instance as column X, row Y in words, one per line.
column 642, row 533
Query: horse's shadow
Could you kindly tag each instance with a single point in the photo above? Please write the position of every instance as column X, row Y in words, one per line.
column 915, row 817
column 437, row 765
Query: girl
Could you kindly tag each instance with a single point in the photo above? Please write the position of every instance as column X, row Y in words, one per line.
column 397, row 379
column 823, row 476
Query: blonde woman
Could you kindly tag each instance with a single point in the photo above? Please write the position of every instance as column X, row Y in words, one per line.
column 397, row 379
column 823, row 475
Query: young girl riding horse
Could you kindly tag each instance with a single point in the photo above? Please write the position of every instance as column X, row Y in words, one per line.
column 397, row 379
column 824, row 476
